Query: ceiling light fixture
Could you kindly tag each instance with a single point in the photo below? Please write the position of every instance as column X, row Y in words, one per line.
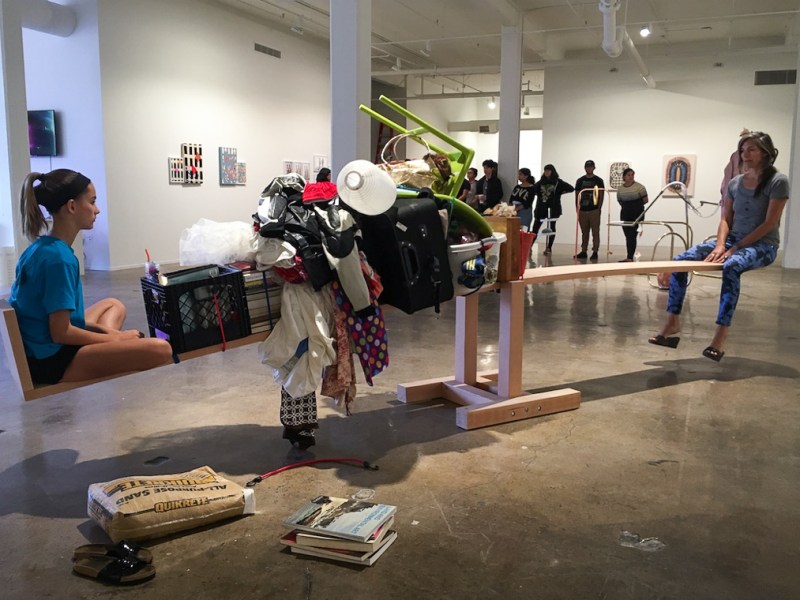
column 491, row 103
column 426, row 51
column 298, row 26
column 645, row 31
column 397, row 65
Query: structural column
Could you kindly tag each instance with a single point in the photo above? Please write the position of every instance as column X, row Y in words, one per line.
column 351, row 29
column 510, row 90
column 14, row 152
column 791, row 219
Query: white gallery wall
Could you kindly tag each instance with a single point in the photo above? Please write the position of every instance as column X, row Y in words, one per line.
column 174, row 72
column 696, row 108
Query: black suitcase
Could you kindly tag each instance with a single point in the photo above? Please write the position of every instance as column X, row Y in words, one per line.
column 407, row 247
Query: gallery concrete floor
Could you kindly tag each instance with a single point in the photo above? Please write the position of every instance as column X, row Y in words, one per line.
column 704, row 457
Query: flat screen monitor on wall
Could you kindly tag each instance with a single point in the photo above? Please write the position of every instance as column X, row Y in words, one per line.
column 42, row 132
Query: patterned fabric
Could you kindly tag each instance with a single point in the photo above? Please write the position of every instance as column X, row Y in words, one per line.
column 299, row 413
column 760, row 254
column 368, row 333
column 339, row 380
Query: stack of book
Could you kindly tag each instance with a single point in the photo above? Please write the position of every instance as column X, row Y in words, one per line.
column 262, row 291
column 346, row 530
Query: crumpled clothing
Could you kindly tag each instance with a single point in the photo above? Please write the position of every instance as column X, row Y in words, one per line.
column 304, row 314
column 272, row 251
column 339, row 380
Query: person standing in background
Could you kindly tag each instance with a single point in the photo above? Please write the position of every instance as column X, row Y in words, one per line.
column 588, row 211
column 632, row 196
column 490, row 190
column 522, row 198
column 469, row 188
column 548, row 191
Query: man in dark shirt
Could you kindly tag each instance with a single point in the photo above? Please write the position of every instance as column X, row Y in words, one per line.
column 490, row 190
column 588, row 203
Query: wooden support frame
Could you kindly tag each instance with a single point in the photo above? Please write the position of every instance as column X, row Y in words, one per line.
column 491, row 398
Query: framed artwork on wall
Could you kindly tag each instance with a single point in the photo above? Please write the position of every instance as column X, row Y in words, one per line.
column 615, row 173
column 241, row 173
column 227, row 166
column 679, row 167
column 318, row 163
column 192, row 155
column 176, row 172
column 288, row 167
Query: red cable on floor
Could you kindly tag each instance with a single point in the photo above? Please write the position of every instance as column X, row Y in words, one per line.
column 306, row 463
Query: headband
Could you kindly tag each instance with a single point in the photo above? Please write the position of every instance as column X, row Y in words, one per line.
column 52, row 200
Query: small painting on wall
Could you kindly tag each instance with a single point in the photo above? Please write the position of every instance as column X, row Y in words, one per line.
column 318, row 163
column 227, row 166
column 679, row 167
column 241, row 173
column 192, row 155
column 288, row 167
column 615, row 173
column 176, row 172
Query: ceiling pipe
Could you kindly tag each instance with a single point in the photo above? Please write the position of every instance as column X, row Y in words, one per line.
column 614, row 38
column 49, row 17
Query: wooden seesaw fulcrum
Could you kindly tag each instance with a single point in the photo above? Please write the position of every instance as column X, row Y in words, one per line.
column 489, row 398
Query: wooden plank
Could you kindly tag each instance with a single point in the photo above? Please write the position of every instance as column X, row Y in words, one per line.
column 517, row 409
column 15, row 352
column 423, row 390
column 509, row 251
column 250, row 339
column 582, row 271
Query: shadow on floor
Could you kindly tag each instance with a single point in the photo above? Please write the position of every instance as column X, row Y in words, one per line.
column 54, row 483
column 674, row 372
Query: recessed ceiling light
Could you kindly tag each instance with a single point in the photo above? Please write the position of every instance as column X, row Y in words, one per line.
column 645, row 31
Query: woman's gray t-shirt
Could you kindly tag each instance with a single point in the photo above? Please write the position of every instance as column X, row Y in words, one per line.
column 750, row 211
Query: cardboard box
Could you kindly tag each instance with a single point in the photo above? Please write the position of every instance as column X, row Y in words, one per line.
column 509, row 251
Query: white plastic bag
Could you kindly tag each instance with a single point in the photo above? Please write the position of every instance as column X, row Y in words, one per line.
column 208, row 242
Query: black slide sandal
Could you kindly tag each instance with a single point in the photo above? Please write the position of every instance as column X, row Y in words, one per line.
column 668, row 342
column 713, row 353
column 122, row 549
column 119, row 571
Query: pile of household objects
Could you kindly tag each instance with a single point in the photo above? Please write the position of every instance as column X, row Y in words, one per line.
column 424, row 244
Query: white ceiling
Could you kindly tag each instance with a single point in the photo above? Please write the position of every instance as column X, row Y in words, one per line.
column 463, row 36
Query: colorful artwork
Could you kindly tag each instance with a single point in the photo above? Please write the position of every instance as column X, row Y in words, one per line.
column 176, row 172
column 679, row 167
column 615, row 174
column 192, row 155
column 241, row 173
column 227, row 166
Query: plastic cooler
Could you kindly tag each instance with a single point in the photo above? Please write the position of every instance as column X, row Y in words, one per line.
column 458, row 254
column 196, row 306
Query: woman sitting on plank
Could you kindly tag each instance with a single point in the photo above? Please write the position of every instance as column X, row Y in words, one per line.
column 64, row 342
column 747, row 238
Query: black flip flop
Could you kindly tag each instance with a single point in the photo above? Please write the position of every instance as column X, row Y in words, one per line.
column 122, row 549
column 669, row 342
column 119, row 571
column 713, row 353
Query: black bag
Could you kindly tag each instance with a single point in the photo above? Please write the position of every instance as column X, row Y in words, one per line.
column 407, row 247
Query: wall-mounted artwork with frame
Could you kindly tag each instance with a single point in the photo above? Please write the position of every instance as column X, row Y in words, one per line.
column 241, row 173
column 192, row 155
column 679, row 167
column 615, row 173
column 288, row 167
column 318, row 163
column 227, row 166
column 176, row 172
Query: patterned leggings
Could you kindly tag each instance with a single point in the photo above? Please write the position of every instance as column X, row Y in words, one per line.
column 758, row 255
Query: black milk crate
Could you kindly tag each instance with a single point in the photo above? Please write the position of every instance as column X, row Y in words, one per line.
column 185, row 312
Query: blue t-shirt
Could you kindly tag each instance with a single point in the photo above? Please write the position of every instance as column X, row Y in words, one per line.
column 48, row 280
column 749, row 212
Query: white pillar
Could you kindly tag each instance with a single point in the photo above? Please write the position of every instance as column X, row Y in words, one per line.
column 510, row 91
column 351, row 29
column 791, row 219
column 14, row 151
